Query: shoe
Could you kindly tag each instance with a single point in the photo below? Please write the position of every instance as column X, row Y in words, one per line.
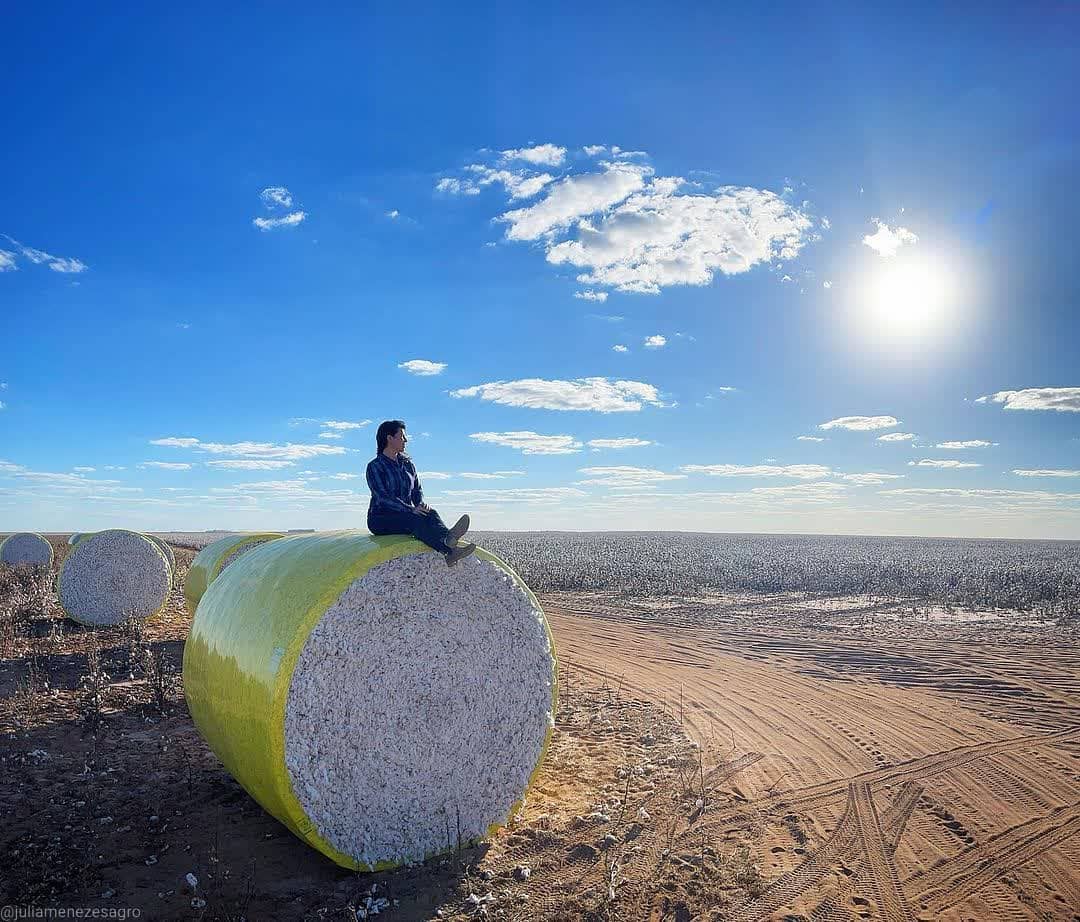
column 462, row 550
column 455, row 534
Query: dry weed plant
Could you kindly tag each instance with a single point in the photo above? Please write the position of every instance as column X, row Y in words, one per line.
column 92, row 687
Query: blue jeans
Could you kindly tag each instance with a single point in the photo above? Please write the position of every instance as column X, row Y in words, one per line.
column 428, row 528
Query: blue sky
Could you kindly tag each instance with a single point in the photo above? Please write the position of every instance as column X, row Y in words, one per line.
column 234, row 243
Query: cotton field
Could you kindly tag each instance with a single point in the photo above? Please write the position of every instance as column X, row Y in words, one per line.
column 980, row 574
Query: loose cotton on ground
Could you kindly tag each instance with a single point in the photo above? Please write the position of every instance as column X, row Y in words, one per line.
column 383, row 706
column 27, row 548
column 112, row 576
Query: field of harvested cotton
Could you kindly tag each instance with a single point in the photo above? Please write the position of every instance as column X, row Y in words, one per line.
column 731, row 740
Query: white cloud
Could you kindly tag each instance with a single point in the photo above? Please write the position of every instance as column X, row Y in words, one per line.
column 655, row 342
column 809, row 438
column 1061, row 399
column 596, row 394
column 618, row 443
column 861, row 423
column 886, row 242
column 344, row 476
column 823, row 491
column 518, row 184
column 798, row 471
column 969, row 443
column 993, row 494
column 826, row 284
column 83, row 470
column 897, row 437
column 619, row 347
column 289, row 220
column 434, row 475
column 608, row 318
column 276, row 196
column 167, row 465
column 540, row 496
column 625, row 476
column 944, row 465
column 870, row 479
column 452, row 186
column 541, row 154
column 63, row 264
column 575, row 197
column 67, row 266
column 423, row 367
column 530, row 443
column 330, row 435
column 115, row 467
column 174, row 442
column 493, row 475
column 594, row 150
column 659, row 237
column 1045, row 472
column 393, row 214
column 589, row 295
column 345, row 425
column 264, row 450
column 249, row 465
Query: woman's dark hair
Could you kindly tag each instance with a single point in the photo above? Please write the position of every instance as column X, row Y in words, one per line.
column 386, row 429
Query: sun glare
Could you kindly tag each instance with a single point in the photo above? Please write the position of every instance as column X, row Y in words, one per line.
column 909, row 299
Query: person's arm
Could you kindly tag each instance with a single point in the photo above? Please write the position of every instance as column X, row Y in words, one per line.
column 382, row 489
column 417, row 495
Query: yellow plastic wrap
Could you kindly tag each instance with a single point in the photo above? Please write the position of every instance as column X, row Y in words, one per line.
column 244, row 644
column 208, row 562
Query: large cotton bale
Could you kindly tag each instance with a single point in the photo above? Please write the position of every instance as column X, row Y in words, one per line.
column 214, row 558
column 383, row 706
column 28, row 548
column 114, row 575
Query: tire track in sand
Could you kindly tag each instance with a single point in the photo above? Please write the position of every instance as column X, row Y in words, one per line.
column 877, row 857
column 963, row 876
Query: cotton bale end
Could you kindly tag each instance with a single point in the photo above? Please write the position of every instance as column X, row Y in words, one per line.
column 384, row 707
column 114, row 575
column 27, row 548
column 214, row 558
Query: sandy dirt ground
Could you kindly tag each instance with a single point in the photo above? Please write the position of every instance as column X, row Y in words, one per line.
column 906, row 770
column 738, row 757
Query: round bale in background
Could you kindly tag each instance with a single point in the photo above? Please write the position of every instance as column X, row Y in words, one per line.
column 163, row 546
column 383, row 706
column 26, row 547
column 214, row 558
column 114, row 575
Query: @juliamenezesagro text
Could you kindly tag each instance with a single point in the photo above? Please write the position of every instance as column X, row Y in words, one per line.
column 12, row 913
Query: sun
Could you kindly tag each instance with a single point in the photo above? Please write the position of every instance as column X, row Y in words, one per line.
column 912, row 298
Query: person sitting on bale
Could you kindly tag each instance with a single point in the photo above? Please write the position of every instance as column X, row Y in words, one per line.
column 397, row 500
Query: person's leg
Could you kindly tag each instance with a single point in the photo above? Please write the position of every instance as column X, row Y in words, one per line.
column 390, row 523
column 431, row 529
column 427, row 528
